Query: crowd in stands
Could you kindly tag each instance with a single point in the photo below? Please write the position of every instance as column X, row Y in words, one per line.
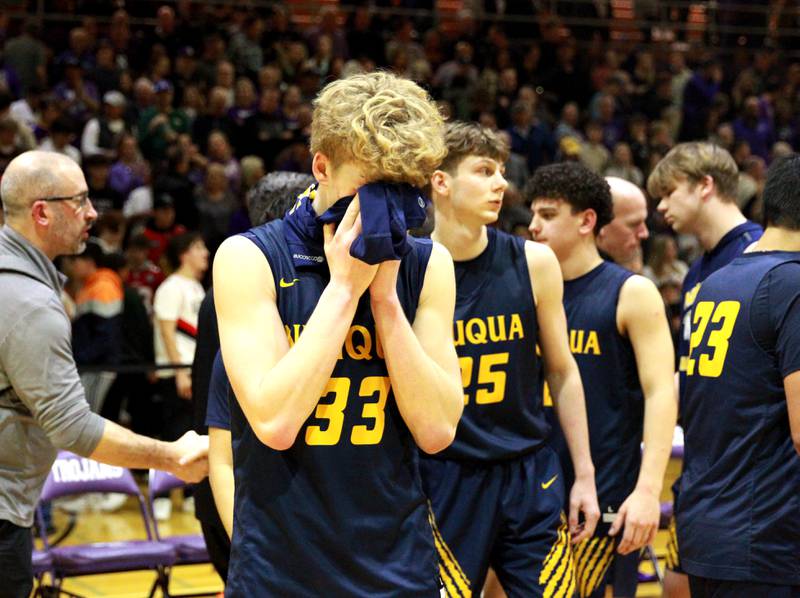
column 174, row 122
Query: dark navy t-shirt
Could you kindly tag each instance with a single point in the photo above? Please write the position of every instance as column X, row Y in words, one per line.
column 738, row 517
column 729, row 247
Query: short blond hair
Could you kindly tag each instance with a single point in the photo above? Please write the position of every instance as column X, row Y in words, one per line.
column 692, row 162
column 386, row 124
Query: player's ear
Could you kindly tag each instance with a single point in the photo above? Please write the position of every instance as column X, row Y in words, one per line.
column 440, row 183
column 706, row 186
column 321, row 167
column 588, row 222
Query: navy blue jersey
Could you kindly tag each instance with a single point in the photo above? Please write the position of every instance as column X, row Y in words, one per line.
column 495, row 334
column 730, row 246
column 218, row 413
column 738, row 517
column 341, row 512
column 607, row 364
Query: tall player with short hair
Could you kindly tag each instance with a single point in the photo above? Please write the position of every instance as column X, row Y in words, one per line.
column 737, row 517
column 621, row 341
column 340, row 368
column 498, row 491
column 695, row 184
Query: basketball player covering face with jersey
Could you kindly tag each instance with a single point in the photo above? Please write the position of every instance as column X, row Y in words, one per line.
column 621, row 341
column 341, row 370
column 498, row 491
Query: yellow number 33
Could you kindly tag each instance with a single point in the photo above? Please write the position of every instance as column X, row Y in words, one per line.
column 726, row 312
column 334, row 412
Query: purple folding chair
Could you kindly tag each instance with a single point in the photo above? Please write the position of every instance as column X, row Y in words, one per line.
column 72, row 474
column 190, row 549
column 42, row 565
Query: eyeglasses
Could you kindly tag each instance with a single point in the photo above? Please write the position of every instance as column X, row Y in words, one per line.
column 82, row 198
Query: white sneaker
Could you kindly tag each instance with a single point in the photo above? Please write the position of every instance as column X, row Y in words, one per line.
column 78, row 504
column 162, row 508
column 110, row 501
column 188, row 505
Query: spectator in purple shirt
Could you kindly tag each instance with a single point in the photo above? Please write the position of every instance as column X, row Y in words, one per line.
column 755, row 127
column 130, row 170
column 80, row 50
column 698, row 97
column 613, row 127
column 530, row 137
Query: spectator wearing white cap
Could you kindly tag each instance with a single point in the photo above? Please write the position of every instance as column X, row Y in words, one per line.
column 102, row 134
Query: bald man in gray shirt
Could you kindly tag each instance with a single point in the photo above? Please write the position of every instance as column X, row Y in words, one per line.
column 42, row 405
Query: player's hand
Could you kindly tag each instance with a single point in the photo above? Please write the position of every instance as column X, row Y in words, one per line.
column 639, row 514
column 384, row 285
column 583, row 499
column 347, row 271
column 183, row 382
column 190, row 457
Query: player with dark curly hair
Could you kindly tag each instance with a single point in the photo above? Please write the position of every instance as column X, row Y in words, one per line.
column 621, row 341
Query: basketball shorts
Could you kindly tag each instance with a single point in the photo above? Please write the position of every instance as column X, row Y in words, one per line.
column 597, row 564
column 673, row 558
column 505, row 515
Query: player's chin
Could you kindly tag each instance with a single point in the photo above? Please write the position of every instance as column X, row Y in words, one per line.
column 675, row 224
column 490, row 216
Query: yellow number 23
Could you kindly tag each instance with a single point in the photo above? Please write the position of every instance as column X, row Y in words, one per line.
column 712, row 359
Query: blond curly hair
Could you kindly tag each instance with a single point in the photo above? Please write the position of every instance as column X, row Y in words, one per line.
column 386, row 124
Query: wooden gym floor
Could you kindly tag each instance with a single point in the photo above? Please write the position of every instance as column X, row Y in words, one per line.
column 126, row 524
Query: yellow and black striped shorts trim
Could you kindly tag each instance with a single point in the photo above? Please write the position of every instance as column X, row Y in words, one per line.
column 455, row 582
column 673, row 559
column 593, row 557
column 558, row 569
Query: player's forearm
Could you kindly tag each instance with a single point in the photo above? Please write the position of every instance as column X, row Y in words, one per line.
column 220, row 475
column 660, row 413
column 570, row 405
column 288, row 393
column 429, row 398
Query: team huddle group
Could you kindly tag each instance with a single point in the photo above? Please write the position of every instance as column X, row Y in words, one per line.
column 392, row 415
column 403, row 416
